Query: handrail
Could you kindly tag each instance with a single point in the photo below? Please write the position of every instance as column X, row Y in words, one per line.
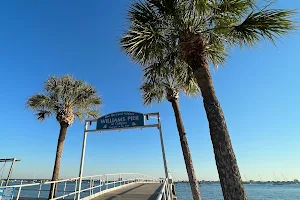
column 97, row 183
column 162, row 191
column 166, row 192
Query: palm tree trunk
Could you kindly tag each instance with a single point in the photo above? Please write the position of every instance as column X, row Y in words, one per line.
column 59, row 149
column 192, row 50
column 186, row 152
column 228, row 169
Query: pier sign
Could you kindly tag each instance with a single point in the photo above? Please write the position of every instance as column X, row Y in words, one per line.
column 6, row 193
column 120, row 120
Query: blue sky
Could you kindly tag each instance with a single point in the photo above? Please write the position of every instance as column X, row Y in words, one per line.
column 258, row 90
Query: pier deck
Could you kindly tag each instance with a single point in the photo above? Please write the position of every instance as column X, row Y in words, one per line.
column 137, row 191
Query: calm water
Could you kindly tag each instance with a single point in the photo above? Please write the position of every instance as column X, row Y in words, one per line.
column 32, row 191
column 254, row 191
column 208, row 191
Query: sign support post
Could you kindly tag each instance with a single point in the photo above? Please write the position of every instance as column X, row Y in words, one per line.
column 82, row 159
column 161, row 140
column 162, row 147
column 10, row 171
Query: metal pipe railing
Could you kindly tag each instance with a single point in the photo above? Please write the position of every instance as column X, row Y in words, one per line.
column 108, row 181
column 166, row 192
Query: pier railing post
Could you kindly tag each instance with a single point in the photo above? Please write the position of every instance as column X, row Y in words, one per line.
column 106, row 182
column 65, row 186
column 19, row 191
column 39, row 190
column 114, row 180
column 54, row 186
column 134, row 177
column 75, row 189
column 91, row 185
column 100, row 178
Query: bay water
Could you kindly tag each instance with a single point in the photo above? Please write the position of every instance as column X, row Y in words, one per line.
column 183, row 191
column 254, row 191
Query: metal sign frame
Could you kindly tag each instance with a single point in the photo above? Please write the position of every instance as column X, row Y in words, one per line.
column 86, row 131
column 12, row 160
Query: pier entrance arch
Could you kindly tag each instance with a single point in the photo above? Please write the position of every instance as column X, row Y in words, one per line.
column 121, row 121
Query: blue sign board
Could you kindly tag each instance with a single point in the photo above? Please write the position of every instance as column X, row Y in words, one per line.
column 120, row 120
column 6, row 193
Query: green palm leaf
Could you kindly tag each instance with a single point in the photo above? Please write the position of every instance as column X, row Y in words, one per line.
column 159, row 83
column 265, row 24
column 65, row 93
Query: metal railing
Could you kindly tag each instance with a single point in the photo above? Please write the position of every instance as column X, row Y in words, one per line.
column 68, row 188
column 167, row 191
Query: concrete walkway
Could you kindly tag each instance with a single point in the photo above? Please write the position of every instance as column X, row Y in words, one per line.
column 138, row 191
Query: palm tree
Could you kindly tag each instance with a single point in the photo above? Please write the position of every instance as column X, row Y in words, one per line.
column 202, row 31
column 157, row 88
column 66, row 98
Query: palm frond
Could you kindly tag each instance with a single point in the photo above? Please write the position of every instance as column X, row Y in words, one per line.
column 85, row 96
column 265, row 24
column 43, row 114
column 146, row 38
column 52, row 84
column 152, row 92
column 216, row 50
column 39, row 101
column 142, row 12
column 202, row 6
column 79, row 115
column 94, row 113
column 66, row 93
column 184, row 80
column 165, row 7
column 229, row 10
column 168, row 77
column 158, row 69
column 192, row 89
column 143, row 42
column 52, row 88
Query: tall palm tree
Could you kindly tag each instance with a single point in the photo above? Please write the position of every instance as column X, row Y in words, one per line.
column 203, row 31
column 157, row 88
column 66, row 98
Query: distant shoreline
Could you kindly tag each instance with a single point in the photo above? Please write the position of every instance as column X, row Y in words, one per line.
column 246, row 182
column 201, row 182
